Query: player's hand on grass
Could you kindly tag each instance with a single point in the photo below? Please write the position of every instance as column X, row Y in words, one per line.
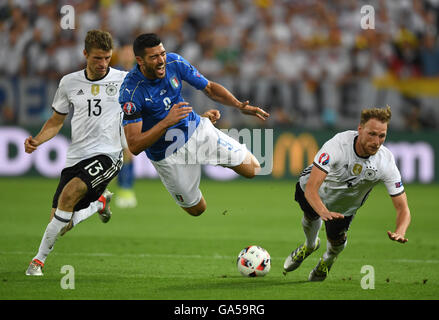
column 177, row 113
column 213, row 115
column 396, row 237
column 30, row 144
column 330, row 215
column 253, row 111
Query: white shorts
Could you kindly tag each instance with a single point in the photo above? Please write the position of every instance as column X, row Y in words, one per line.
column 181, row 172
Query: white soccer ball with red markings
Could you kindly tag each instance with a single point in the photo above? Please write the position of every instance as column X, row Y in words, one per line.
column 254, row 261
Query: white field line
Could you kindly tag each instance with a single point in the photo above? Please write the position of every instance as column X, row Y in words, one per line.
column 187, row 256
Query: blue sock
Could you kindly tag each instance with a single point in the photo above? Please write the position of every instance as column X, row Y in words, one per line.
column 125, row 178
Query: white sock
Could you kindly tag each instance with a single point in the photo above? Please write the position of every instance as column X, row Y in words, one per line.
column 311, row 229
column 332, row 252
column 86, row 213
column 52, row 232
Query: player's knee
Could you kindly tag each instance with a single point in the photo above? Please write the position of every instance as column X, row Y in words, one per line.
column 195, row 211
column 71, row 194
column 256, row 166
column 254, row 170
column 250, row 167
column 198, row 209
column 68, row 200
column 249, row 174
column 341, row 240
column 310, row 216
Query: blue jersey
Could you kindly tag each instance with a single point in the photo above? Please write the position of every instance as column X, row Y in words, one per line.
column 149, row 101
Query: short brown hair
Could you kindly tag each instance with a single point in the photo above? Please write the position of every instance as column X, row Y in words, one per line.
column 381, row 114
column 98, row 39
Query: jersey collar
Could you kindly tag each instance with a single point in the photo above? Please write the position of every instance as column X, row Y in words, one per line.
column 355, row 140
column 85, row 74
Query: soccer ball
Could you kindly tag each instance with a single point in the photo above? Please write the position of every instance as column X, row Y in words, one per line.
column 253, row 261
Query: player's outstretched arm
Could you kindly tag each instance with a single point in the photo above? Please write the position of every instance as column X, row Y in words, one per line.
column 220, row 94
column 48, row 131
column 402, row 218
column 315, row 180
column 139, row 141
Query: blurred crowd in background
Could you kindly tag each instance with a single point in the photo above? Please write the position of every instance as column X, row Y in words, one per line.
column 307, row 62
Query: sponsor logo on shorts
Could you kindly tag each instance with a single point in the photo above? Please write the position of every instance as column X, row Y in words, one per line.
column 398, row 184
column 179, row 197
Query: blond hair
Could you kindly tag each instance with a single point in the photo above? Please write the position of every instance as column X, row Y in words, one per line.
column 98, row 39
column 381, row 114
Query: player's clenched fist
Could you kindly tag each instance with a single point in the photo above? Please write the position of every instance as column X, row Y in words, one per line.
column 213, row 115
column 30, row 144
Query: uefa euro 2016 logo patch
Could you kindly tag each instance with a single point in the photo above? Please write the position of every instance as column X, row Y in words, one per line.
column 324, row 159
column 129, row 108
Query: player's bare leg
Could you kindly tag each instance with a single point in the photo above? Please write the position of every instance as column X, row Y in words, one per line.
column 198, row 209
column 249, row 167
column 52, row 212
column 101, row 206
column 71, row 194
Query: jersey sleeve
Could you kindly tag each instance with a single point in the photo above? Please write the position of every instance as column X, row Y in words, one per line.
column 61, row 101
column 392, row 177
column 190, row 74
column 328, row 156
column 130, row 102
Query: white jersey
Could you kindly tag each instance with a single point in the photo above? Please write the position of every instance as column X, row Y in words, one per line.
column 97, row 115
column 350, row 178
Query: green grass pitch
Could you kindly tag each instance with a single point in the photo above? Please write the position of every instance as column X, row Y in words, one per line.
column 158, row 252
